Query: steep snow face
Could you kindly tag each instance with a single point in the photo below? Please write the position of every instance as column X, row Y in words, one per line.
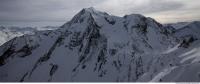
column 8, row 33
column 103, row 48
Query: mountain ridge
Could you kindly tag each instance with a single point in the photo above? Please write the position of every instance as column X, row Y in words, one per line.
column 104, row 48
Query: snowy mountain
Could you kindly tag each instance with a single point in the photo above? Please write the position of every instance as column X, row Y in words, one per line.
column 178, row 25
column 191, row 29
column 9, row 32
column 96, row 46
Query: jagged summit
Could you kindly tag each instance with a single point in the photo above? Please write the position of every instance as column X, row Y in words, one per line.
column 101, row 17
column 90, row 9
column 84, row 15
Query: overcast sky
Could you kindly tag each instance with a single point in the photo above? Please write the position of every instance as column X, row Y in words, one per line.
column 165, row 11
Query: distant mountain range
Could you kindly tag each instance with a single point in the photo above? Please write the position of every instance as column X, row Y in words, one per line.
column 9, row 32
column 97, row 47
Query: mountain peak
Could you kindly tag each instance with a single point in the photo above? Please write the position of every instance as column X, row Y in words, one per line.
column 90, row 9
column 84, row 14
column 133, row 48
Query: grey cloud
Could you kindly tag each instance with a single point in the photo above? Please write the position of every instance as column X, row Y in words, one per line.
column 153, row 6
column 159, row 6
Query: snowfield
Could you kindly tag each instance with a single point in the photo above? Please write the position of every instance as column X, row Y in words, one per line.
column 97, row 47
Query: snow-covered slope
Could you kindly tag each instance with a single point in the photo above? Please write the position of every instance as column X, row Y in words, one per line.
column 193, row 28
column 96, row 46
column 7, row 33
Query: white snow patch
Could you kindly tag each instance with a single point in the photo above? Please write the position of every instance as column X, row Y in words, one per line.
column 162, row 74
